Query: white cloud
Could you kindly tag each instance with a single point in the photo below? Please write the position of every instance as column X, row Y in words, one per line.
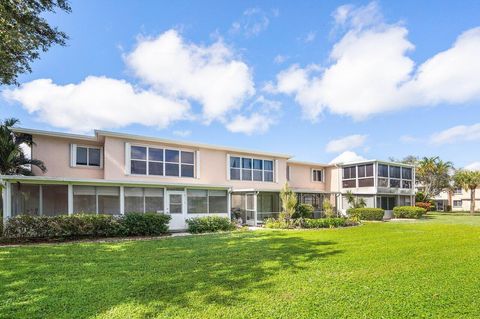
column 345, row 143
column 96, row 102
column 279, row 59
column 210, row 75
column 252, row 22
column 459, row 133
column 475, row 166
column 310, row 37
column 262, row 114
column 370, row 62
column 182, row 133
column 347, row 157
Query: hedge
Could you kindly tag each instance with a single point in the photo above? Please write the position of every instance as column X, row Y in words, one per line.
column 366, row 213
column 209, row 224
column 408, row 212
column 325, row 223
column 83, row 225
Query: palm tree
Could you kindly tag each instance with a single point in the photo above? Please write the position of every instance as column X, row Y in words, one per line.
column 468, row 180
column 433, row 174
column 12, row 157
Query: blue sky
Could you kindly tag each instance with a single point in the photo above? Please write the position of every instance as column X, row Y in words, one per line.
column 311, row 79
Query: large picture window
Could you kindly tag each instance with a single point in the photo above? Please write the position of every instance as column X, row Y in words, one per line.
column 161, row 162
column 251, row 169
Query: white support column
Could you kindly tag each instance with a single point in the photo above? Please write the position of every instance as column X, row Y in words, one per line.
column 255, row 208
column 229, row 203
column 40, row 200
column 122, row 200
column 7, row 200
column 70, row 199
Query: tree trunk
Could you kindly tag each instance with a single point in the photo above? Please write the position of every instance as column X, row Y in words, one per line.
column 472, row 201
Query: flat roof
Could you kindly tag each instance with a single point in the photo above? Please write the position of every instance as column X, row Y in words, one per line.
column 99, row 133
column 292, row 161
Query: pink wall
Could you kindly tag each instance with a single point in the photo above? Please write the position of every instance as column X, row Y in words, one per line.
column 55, row 153
column 213, row 166
column 300, row 177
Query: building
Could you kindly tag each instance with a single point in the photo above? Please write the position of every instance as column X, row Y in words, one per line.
column 115, row 173
column 458, row 200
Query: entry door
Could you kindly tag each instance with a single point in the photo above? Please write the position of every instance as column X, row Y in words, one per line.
column 176, row 208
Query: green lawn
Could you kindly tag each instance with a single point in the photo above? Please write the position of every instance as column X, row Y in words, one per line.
column 428, row 268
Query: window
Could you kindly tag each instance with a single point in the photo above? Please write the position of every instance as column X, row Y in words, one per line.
column 251, row 169
column 88, row 156
column 352, row 183
column 55, row 200
column 406, row 173
column 140, row 200
column 47, row 200
column 365, row 175
column 161, row 162
column 457, row 203
column 288, row 173
column 458, row 191
column 394, row 172
column 382, row 170
column 406, row 184
column 25, row 199
column 200, row 201
column 366, row 182
column 317, row 175
column 96, row 200
column 349, row 172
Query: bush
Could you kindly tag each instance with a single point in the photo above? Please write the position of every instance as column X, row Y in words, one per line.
column 366, row 213
column 425, row 205
column 279, row 223
column 209, row 224
column 83, row 225
column 408, row 212
column 325, row 223
column 303, row 211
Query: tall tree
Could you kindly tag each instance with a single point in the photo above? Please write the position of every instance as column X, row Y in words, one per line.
column 12, row 156
column 469, row 181
column 24, row 33
column 433, row 175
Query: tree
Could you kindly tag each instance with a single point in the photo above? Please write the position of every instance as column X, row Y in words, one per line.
column 12, row 157
column 409, row 159
column 289, row 202
column 24, row 33
column 468, row 180
column 355, row 202
column 433, row 175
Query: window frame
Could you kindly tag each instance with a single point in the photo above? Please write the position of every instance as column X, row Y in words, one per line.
column 74, row 149
column 313, row 175
column 457, row 201
column 252, row 169
column 164, row 149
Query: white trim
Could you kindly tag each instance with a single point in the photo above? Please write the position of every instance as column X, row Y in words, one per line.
column 228, row 167
column 7, row 201
column 128, row 168
column 70, row 199
column 122, row 200
column 73, row 155
column 197, row 166
column 275, row 171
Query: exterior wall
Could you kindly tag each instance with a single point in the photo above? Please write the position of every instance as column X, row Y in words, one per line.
column 213, row 167
column 301, row 177
column 55, row 153
column 464, row 197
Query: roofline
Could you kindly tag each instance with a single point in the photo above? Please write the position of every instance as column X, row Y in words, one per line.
column 54, row 134
column 375, row 161
column 96, row 181
column 144, row 138
column 290, row 161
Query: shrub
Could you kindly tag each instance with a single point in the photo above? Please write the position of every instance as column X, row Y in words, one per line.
column 85, row 225
column 148, row 224
column 325, row 223
column 366, row 213
column 425, row 205
column 279, row 223
column 209, row 224
column 303, row 211
column 327, row 208
column 408, row 212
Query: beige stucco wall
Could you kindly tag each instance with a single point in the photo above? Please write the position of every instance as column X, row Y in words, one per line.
column 55, row 153
column 301, row 176
column 213, row 166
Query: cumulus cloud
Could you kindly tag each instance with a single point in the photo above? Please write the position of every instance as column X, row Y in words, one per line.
column 210, row 75
column 262, row 114
column 347, row 157
column 96, row 102
column 455, row 134
column 475, row 166
column 370, row 71
column 345, row 143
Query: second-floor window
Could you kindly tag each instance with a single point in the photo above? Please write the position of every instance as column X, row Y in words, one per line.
column 88, row 156
column 457, row 191
column 365, row 175
column 161, row 162
column 251, row 169
column 317, row 175
column 349, row 177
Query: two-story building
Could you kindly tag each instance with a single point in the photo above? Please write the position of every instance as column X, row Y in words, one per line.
column 114, row 173
column 457, row 200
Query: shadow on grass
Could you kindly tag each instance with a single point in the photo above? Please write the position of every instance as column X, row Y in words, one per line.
column 83, row 280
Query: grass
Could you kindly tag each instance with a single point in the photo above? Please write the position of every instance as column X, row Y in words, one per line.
column 410, row 269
